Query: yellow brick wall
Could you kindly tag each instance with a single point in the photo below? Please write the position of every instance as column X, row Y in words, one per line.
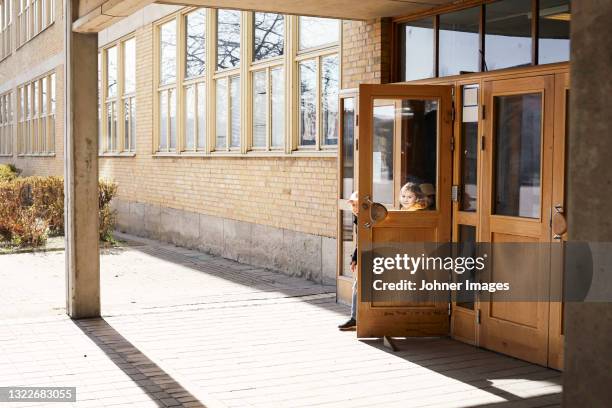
column 366, row 52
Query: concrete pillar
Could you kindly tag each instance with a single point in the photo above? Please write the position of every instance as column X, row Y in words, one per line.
column 81, row 169
column 588, row 326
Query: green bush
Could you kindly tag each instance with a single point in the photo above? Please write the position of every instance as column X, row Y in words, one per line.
column 33, row 207
column 8, row 172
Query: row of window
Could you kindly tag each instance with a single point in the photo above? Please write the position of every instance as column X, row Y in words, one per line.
column 496, row 35
column 31, row 17
column 34, row 111
column 221, row 80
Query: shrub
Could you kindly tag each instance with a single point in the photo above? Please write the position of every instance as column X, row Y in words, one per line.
column 32, row 207
column 8, row 172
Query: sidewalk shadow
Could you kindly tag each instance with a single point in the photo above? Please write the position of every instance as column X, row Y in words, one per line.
column 483, row 369
column 159, row 386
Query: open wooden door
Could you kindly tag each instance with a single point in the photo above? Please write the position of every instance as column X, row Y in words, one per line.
column 405, row 136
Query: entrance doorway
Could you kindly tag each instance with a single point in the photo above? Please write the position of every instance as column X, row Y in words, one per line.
column 492, row 156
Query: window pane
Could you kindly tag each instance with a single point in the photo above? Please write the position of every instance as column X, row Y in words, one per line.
column 269, row 32
column 235, row 111
column 111, row 72
column 348, row 147
column 172, row 103
column 329, row 96
column 221, row 112
column 195, row 47
column 260, row 108
column 554, row 31
column 201, row 116
column 53, row 93
column 316, row 32
column 469, row 148
column 518, row 125
column 507, row 34
column 277, row 77
column 228, row 39
column 114, row 125
column 417, row 49
column 308, row 94
column 129, row 55
column 126, row 124
column 43, row 100
column 132, row 124
column 167, row 67
column 459, row 42
column 382, row 152
column 163, row 120
column 190, row 108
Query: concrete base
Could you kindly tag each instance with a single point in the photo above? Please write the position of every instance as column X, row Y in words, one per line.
column 294, row 253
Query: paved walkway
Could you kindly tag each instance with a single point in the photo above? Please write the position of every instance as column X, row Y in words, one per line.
column 181, row 328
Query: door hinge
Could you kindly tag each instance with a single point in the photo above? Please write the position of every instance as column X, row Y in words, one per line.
column 452, row 143
column 482, row 142
column 484, row 111
column 357, row 120
column 453, row 114
column 455, row 193
column 478, row 316
column 357, row 144
column 449, row 308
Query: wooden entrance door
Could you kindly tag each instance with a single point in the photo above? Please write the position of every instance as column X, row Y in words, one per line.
column 516, row 208
column 405, row 134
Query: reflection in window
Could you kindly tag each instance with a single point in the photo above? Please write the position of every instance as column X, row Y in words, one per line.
column 111, row 70
column 221, row 112
column 195, row 43
column 260, row 108
column 235, row 111
column 554, row 31
column 469, row 148
column 417, row 49
column 277, row 80
column 466, row 249
column 329, row 95
column 382, row 152
column 459, row 42
column 269, row 33
column 228, row 39
column 316, row 32
column 308, row 94
column 348, row 242
column 129, row 97
column 348, row 147
column 129, row 56
column 167, row 58
column 507, row 34
column 518, row 126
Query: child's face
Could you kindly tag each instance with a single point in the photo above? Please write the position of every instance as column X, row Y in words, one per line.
column 407, row 198
column 355, row 207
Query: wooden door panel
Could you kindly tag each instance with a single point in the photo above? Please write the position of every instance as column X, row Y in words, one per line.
column 392, row 315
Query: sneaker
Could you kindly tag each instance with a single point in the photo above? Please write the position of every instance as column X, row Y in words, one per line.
column 349, row 325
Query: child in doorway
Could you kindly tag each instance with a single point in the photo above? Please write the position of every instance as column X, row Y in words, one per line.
column 351, row 324
column 412, row 198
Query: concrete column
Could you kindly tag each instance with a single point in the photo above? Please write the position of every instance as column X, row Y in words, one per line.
column 81, row 169
column 588, row 326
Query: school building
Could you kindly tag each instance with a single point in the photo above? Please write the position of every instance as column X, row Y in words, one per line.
column 241, row 128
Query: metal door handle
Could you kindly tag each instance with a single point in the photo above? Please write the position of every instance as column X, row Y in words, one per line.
column 559, row 223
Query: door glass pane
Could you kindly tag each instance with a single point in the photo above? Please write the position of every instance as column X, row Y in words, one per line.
column 459, row 41
column 383, row 123
column 507, row 34
column 417, row 49
column 554, row 31
column 517, row 127
column 348, row 147
column 466, row 249
column 409, row 184
column 469, row 147
column 348, row 242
